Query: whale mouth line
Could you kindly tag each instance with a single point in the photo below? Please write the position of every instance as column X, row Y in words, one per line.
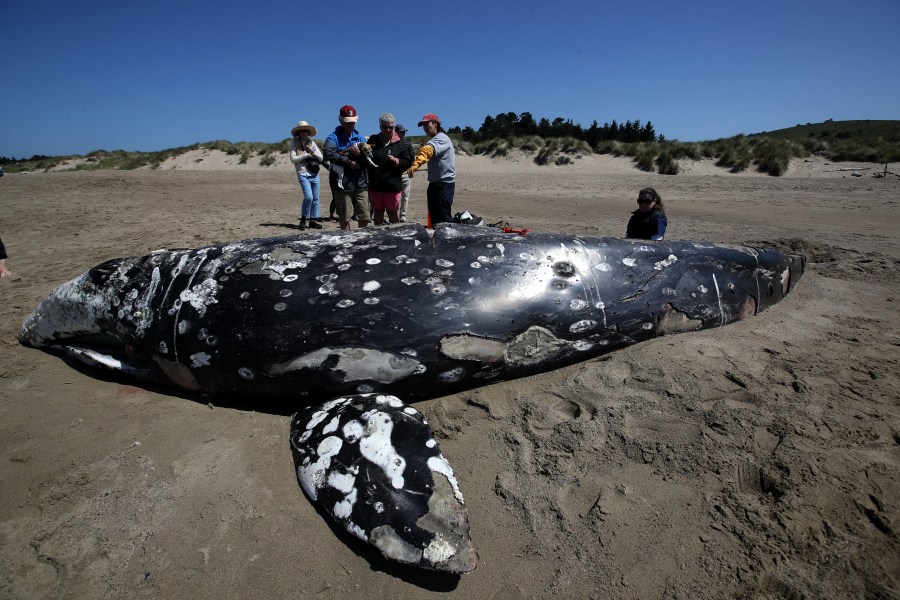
column 103, row 351
column 94, row 341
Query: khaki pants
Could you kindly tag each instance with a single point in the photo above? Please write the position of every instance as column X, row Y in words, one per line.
column 352, row 206
column 404, row 196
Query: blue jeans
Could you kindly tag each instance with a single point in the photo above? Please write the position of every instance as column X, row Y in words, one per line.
column 440, row 201
column 310, row 185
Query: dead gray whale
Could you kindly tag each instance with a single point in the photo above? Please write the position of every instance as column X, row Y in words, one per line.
column 359, row 319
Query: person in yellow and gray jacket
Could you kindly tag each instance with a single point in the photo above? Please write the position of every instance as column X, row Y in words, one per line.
column 439, row 154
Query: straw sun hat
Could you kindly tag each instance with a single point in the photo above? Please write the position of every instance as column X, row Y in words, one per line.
column 303, row 125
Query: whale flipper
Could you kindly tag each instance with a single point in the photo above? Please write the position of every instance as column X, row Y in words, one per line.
column 371, row 462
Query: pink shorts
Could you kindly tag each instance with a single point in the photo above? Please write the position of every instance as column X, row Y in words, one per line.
column 387, row 200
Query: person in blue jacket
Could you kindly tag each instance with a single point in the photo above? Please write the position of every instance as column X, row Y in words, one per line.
column 649, row 221
column 348, row 179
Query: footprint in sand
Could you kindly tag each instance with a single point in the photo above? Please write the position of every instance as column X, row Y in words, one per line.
column 446, row 418
column 772, row 586
column 602, row 374
column 660, row 428
column 545, row 416
column 19, row 385
column 753, row 479
column 577, row 499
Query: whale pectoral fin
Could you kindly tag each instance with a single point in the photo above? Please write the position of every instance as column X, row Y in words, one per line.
column 371, row 462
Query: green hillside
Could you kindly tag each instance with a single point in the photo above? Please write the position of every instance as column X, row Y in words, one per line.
column 869, row 140
column 859, row 131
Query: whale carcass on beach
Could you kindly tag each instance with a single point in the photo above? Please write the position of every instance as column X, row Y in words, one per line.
column 346, row 324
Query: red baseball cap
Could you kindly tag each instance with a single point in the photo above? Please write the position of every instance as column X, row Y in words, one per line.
column 429, row 117
column 348, row 114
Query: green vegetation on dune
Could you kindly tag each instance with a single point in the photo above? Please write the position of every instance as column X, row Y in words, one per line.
column 867, row 141
column 561, row 142
column 830, row 129
column 125, row 160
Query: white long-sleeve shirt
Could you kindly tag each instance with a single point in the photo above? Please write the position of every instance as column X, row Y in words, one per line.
column 299, row 155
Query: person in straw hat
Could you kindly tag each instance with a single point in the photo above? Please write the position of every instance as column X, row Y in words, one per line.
column 307, row 159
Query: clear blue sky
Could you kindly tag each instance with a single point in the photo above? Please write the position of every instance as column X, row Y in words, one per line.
column 81, row 76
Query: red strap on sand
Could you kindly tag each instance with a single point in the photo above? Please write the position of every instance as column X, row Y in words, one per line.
column 522, row 231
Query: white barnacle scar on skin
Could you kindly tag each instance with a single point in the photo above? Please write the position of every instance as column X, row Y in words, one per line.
column 201, row 359
column 353, row 431
column 439, row 464
column 314, row 475
column 659, row 266
column 377, row 448
column 346, row 484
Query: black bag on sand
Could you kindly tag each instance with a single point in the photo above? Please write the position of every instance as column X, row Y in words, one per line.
column 467, row 218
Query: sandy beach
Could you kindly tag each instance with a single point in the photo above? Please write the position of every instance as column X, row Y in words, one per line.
column 758, row 460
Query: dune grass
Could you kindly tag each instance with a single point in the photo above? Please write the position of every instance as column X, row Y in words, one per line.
column 842, row 141
column 864, row 141
column 125, row 160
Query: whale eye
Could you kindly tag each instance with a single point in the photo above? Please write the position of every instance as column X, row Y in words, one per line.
column 564, row 269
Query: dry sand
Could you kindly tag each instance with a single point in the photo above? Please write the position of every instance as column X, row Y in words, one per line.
column 759, row 460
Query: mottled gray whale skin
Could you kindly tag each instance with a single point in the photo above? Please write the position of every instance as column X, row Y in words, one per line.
column 362, row 314
column 395, row 310
column 372, row 463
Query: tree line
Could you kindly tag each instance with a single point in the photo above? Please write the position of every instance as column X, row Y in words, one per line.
column 10, row 160
column 509, row 125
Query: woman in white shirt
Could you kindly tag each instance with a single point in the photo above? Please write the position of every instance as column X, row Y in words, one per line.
column 307, row 158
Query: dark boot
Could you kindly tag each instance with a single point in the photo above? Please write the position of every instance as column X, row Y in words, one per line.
column 314, row 224
column 302, row 223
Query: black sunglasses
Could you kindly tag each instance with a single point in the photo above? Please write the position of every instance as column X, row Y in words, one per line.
column 387, row 127
column 645, row 200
